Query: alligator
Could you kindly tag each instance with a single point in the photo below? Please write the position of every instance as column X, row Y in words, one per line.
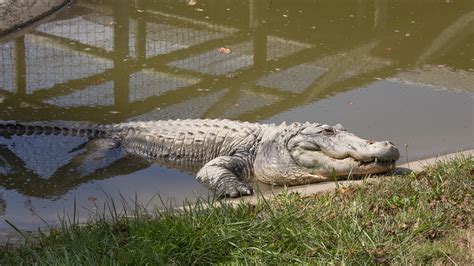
column 227, row 155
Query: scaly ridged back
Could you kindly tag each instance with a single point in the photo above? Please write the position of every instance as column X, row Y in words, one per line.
column 193, row 141
column 186, row 142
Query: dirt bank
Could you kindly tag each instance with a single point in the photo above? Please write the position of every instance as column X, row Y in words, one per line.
column 15, row 14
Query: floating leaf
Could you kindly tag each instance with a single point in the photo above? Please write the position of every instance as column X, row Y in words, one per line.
column 224, row 50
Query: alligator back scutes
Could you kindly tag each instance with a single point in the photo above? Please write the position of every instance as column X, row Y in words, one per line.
column 195, row 125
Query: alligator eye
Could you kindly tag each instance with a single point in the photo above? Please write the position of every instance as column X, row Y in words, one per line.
column 328, row 131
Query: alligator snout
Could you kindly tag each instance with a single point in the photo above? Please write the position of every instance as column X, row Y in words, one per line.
column 346, row 144
column 384, row 150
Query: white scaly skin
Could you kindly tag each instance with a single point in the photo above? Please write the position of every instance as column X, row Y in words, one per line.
column 226, row 154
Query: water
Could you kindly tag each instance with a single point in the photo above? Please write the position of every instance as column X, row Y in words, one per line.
column 399, row 71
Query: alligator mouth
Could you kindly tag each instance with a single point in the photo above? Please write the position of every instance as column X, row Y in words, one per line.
column 373, row 166
column 372, row 161
column 326, row 165
column 378, row 162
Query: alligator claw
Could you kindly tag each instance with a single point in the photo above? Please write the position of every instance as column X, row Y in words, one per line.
column 236, row 190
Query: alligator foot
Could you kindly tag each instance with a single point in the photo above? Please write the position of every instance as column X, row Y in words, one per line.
column 222, row 174
column 234, row 189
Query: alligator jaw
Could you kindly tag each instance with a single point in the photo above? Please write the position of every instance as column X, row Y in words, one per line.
column 375, row 166
column 324, row 167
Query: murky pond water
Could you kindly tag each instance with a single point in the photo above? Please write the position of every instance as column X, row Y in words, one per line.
column 401, row 70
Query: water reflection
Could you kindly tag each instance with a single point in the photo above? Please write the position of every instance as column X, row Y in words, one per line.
column 47, row 167
column 78, row 62
column 112, row 61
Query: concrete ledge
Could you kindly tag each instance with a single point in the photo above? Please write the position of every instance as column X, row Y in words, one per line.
column 420, row 164
column 16, row 14
column 311, row 189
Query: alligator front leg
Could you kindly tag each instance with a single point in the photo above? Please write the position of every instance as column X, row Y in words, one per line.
column 222, row 174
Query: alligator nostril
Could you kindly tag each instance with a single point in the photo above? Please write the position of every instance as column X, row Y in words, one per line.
column 388, row 143
column 370, row 141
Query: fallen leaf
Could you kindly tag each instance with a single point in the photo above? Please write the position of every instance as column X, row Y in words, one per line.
column 199, row 9
column 433, row 234
column 403, row 226
column 224, row 50
column 443, row 199
column 432, row 205
column 346, row 191
column 381, row 259
column 192, row 2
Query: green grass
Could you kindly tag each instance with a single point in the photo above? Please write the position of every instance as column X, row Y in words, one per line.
column 424, row 217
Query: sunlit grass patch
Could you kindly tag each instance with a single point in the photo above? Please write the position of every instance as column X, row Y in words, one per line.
column 423, row 217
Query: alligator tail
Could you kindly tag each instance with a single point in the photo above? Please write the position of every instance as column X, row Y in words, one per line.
column 80, row 129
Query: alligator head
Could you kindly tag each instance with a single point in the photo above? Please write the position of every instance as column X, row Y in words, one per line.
column 308, row 153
